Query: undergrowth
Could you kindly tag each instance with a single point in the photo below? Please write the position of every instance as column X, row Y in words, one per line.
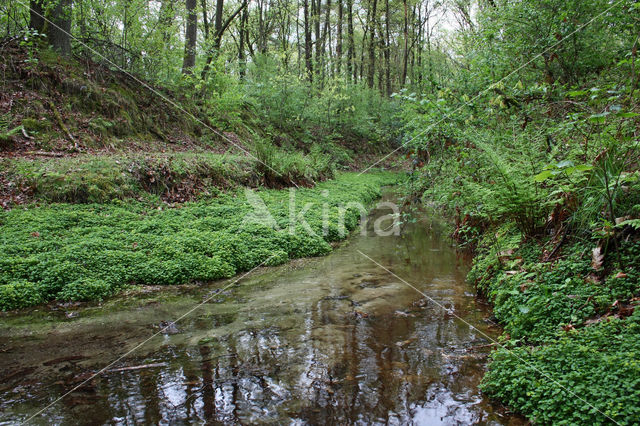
column 543, row 185
column 89, row 252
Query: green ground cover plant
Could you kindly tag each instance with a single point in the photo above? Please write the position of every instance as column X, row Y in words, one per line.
column 90, row 251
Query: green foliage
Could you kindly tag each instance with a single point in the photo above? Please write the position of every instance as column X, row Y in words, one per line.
column 88, row 252
column 585, row 377
column 539, row 170
column 300, row 112
column 281, row 168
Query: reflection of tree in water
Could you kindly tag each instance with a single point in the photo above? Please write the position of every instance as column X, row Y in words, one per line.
column 314, row 360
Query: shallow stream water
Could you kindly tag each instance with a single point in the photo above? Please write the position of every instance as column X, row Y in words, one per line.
column 331, row 340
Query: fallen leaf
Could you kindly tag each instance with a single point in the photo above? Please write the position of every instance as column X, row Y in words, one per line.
column 619, row 220
column 597, row 258
column 621, row 275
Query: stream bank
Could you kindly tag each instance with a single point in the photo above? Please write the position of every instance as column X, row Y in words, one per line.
column 326, row 340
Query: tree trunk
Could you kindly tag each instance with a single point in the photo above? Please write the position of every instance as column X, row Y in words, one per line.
column 241, row 56
column 339, row 39
column 387, row 50
column 307, row 41
column 59, row 31
column 217, row 41
column 219, row 29
column 419, row 59
column 315, row 6
column 205, row 19
column 405, row 53
column 190, row 38
column 36, row 16
column 350, row 43
column 325, row 36
column 372, row 44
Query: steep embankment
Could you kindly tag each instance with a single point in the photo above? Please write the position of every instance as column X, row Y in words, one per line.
column 72, row 130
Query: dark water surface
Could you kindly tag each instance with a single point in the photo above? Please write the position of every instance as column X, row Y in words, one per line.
column 332, row 340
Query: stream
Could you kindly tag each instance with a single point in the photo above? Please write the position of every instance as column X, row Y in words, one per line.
column 329, row 340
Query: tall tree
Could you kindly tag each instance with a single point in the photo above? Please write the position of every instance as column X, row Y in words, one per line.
column 244, row 19
column 350, row 41
column 218, row 31
column 387, row 49
column 307, row 40
column 191, row 34
column 59, row 30
column 405, row 50
column 372, row 44
column 316, row 8
column 339, row 38
column 36, row 15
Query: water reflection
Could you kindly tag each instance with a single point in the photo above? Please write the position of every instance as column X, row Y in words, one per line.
column 338, row 341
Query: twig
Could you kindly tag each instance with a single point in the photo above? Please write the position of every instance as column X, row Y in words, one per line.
column 139, row 367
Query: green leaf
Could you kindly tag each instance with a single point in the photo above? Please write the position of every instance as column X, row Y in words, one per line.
column 565, row 163
column 598, row 118
column 577, row 93
column 544, row 175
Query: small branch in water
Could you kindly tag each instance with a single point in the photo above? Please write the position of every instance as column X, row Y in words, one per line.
column 139, row 367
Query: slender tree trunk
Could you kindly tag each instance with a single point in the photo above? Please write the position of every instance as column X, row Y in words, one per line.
column 205, row 19
column 372, row 44
column 307, row 40
column 316, row 25
column 217, row 42
column 219, row 29
column 298, row 47
column 190, row 38
column 387, row 50
column 339, row 39
column 325, row 38
column 350, row 42
column 419, row 59
column 429, row 58
column 363, row 48
column 241, row 56
column 405, row 52
column 59, row 31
